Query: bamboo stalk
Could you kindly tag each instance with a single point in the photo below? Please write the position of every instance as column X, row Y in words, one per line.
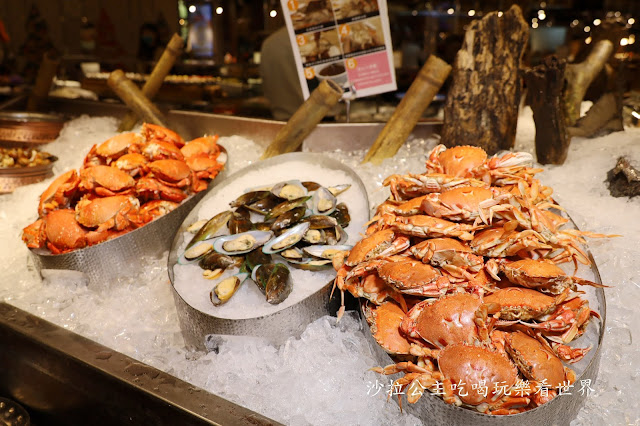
column 422, row 91
column 153, row 83
column 305, row 119
column 135, row 99
column 46, row 73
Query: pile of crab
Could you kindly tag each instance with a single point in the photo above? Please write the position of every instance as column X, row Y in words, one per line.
column 458, row 269
column 124, row 183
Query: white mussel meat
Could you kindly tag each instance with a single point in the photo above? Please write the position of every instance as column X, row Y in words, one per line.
column 326, row 251
column 323, row 201
column 289, row 190
column 287, row 239
column 241, row 243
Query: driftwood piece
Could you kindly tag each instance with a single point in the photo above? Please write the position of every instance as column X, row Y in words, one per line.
column 422, row 91
column 133, row 97
column 579, row 77
column 544, row 87
column 153, row 83
column 604, row 117
column 305, row 119
column 482, row 104
column 624, row 179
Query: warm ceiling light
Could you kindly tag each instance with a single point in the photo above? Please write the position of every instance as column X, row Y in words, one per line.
column 500, row 14
column 597, row 22
column 587, row 29
column 472, row 12
column 273, row 13
column 192, row 8
column 534, row 25
column 588, row 40
column 450, row 11
column 219, row 10
column 631, row 21
column 624, row 42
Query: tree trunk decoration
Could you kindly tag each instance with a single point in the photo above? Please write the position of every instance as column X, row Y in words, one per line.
column 482, row 104
column 545, row 83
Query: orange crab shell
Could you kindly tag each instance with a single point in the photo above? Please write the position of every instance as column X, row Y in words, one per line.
column 533, row 273
column 369, row 247
column 132, row 163
column 105, row 180
column 411, row 276
column 460, row 161
column 479, row 366
column 384, row 321
column 117, row 145
column 63, row 231
column 445, row 321
column 204, row 145
column 153, row 131
column 106, row 212
column 534, row 360
column 518, row 303
column 59, row 193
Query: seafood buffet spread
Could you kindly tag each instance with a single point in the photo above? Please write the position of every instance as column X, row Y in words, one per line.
column 124, row 183
column 458, row 280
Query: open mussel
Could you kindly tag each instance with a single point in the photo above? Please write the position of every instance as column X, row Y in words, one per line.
column 289, row 190
column 341, row 214
column 226, row 288
column 249, row 198
column 241, row 243
column 195, row 252
column 288, row 219
column 311, row 186
column 285, row 206
column 213, row 261
column 211, row 228
column 274, row 280
column 292, row 254
column 311, row 264
column 326, row 251
column 323, row 202
column 287, row 239
column 339, row 189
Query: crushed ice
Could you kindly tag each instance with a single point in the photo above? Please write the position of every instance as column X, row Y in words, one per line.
column 322, row 377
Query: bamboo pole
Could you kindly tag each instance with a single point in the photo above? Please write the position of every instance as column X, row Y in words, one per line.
column 46, row 73
column 422, row 91
column 153, row 83
column 305, row 119
column 135, row 99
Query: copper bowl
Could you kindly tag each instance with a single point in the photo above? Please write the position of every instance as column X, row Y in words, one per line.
column 13, row 177
column 20, row 129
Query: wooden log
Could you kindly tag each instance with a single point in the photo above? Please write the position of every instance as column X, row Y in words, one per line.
column 305, row 119
column 422, row 91
column 482, row 104
column 602, row 118
column 579, row 77
column 44, row 79
column 133, row 97
column 153, row 83
column 545, row 85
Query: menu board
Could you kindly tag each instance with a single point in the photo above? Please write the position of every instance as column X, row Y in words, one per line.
column 347, row 41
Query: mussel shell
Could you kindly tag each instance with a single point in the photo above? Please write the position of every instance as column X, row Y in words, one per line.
column 289, row 190
column 265, row 205
column 262, row 226
column 339, row 189
column 239, row 223
column 243, row 212
column 311, row 264
column 274, row 280
column 342, row 215
column 215, row 260
column 321, row 221
column 256, row 257
column 325, row 251
column 323, row 201
column 287, row 239
column 288, row 219
column 311, row 186
column 196, row 226
column 226, row 288
column 249, row 198
column 213, row 226
column 285, row 206
column 221, row 244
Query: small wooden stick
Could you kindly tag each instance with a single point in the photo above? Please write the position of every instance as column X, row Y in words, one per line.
column 305, row 119
column 153, row 83
column 579, row 77
column 46, row 73
column 544, row 84
column 422, row 91
column 135, row 99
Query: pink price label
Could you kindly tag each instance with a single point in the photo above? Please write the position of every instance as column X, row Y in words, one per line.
column 369, row 70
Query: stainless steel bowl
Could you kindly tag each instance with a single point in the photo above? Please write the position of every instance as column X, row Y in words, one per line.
column 199, row 327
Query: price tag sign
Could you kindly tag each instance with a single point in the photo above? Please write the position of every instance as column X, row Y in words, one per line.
column 347, row 41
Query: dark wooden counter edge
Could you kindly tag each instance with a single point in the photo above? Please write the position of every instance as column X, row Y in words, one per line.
column 69, row 379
